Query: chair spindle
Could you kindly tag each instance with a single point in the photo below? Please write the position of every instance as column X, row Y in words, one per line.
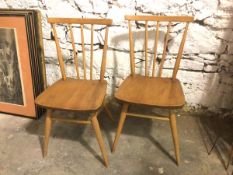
column 83, row 52
column 181, row 48
column 103, row 64
column 59, row 53
column 146, row 47
column 155, row 48
column 164, row 50
column 91, row 59
column 132, row 64
column 75, row 52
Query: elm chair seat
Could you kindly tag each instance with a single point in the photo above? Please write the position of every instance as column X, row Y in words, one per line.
column 151, row 91
column 77, row 95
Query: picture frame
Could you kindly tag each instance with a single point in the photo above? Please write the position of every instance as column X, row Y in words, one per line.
column 21, row 62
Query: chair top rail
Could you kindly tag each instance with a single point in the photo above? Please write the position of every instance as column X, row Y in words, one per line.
column 81, row 21
column 159, row 18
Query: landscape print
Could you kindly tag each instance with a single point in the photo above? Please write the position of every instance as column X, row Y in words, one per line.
column 10, row 81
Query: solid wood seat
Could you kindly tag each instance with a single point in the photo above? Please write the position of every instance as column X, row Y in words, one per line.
column 152, row 91
column 77, row 95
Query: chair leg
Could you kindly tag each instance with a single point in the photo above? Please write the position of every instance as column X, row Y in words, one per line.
column 175, row 136
column 99, row 137
column 120, row 125
column 47, row 130
column 230, row 157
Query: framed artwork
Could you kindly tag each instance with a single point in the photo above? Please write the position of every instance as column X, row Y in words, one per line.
column 21, row 56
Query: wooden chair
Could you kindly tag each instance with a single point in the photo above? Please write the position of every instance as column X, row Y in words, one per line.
column 77, row 94
column 149, row 90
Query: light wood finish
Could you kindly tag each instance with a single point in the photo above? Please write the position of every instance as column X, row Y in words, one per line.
column 81, row 22
column 120, row 125
column 103, row 63
column 81, row 94
column 91, row 59
column 59, row 53
column 152, row 91
column 74, row 51
column 149, row 90
column 74, row 121
column 164, row 49
column 96, row 21
column 165, row 118
column 83, row 52
column 99, row 137
column 47, row 130
column 74, row 95
column 146, row 19
column 159, row 18
column 177, row 64
column 155, row 48
column 175, row 136
column 146, row 47
column 131, row 45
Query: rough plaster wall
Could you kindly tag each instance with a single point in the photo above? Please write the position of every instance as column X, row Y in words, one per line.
column 206, row 70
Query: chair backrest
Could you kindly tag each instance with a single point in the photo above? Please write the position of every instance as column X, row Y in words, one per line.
column 81, row 24
column 155, row 22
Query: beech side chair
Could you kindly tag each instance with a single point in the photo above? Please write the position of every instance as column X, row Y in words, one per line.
column 149, row 89
column 81, row 94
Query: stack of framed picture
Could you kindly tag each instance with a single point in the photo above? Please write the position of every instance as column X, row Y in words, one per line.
column 21, row 61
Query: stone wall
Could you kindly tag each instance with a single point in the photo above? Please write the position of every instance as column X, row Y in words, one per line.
column 206, row 71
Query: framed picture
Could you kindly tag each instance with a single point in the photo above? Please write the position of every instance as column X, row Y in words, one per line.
column 21, row 56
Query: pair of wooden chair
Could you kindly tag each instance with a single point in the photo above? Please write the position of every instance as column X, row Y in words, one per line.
column 83, row 94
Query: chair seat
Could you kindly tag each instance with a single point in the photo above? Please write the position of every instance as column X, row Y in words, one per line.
column 152, row 91
column 73, row 94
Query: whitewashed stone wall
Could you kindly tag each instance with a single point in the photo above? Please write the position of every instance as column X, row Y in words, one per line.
column 206, row 70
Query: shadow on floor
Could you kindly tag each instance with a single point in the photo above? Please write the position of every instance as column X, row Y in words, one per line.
column 133, row 126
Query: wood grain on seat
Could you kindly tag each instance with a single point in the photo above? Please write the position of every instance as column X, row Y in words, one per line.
column 153, row 91
column 74, row 94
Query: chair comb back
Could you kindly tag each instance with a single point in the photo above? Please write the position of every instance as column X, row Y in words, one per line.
column 153, row 25
column 81, row 25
